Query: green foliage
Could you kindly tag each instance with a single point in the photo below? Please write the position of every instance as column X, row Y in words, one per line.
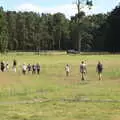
column 3, row 41
column 3, row 31
column 29, row 31
column 112, row 34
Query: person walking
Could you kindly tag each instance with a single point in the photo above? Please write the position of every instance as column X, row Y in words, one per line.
column 33, row 69
column 99, row 70
column 67, row 69
column 24, row 68
column 38, row 68
column 7, row 67
column 29, row 68
column 2, row 66
column 14, row 65
column 83, row 70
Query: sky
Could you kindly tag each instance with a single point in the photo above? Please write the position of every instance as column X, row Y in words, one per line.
column 67, row 7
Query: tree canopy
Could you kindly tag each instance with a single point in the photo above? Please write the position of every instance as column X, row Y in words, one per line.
column 29, row 31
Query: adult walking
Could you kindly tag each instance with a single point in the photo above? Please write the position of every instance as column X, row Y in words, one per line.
column 24, row 68
column 67, row 69
column 14, row 65
column 83, row 70
column 38, row 68
column 2, row 66
column 99, row 70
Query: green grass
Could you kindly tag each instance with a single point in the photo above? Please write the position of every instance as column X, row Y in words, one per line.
column 53, row 96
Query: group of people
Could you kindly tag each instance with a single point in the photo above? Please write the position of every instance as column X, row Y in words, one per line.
column 4, row 66
column 35, row 68
column 83, row 70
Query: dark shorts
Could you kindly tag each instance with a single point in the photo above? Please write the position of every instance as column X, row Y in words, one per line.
column 100, row 71
column 2, row 69
column 24, row 71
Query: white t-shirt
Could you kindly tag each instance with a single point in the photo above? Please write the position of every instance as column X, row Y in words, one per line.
column 83, row 68
column 67, row 68
column 24, row 67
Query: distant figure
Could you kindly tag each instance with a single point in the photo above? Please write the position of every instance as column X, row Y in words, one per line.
column 33, row 69
column 7, row 67
column 2, row 66
column 67, row 69
column 24, row 68
column 83, row 70
column 99, row 69
column 29, row 68
column 14, row 65
column 38, row 68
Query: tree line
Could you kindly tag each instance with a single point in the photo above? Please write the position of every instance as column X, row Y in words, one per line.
column 29, row 31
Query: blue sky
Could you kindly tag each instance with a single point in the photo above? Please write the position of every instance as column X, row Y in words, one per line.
column 52, row 6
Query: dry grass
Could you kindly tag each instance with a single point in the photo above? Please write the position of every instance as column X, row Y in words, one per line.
column 52, row 84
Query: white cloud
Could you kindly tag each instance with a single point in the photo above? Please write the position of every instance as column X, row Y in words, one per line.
column 67, row 9
column 28, row 7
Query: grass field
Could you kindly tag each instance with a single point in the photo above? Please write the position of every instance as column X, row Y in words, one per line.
column 53, row 96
